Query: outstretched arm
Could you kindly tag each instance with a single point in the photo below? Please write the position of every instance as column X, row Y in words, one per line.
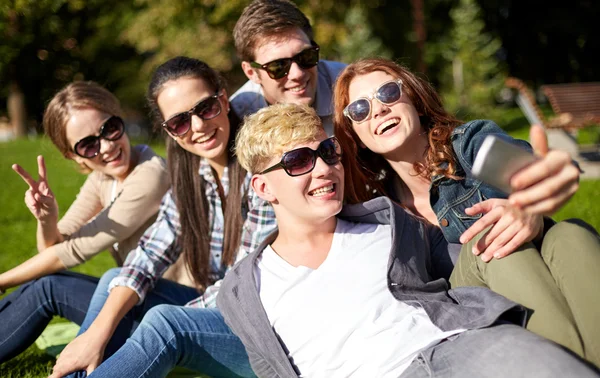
column 539, row 189
column 38, row 266
column 85, row 352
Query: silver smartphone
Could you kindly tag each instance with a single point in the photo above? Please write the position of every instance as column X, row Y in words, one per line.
column 497, row 161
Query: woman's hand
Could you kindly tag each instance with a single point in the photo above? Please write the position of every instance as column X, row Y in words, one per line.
column 510, row 228
column 85, row 352
column 39, row 198
column 546, row 185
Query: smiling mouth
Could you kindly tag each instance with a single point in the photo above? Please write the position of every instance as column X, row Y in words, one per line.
column 206, row 137
column 298, row 88
column 387, row 125
column 114, row 158
column 322, row 191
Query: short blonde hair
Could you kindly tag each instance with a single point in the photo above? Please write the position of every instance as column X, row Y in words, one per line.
column 272, row 131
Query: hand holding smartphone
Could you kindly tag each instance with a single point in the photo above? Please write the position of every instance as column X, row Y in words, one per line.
column 497, row 161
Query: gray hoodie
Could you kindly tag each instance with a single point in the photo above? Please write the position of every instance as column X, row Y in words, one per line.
column 409, row 281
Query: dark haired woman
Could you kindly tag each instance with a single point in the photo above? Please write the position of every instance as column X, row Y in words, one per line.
column 413, row 150
column 211, row 216
column 118, row 201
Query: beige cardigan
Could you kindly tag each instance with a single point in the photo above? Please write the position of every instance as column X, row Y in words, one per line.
column 95, row 222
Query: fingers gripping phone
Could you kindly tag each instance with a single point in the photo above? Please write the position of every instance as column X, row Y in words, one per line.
column 497, row 161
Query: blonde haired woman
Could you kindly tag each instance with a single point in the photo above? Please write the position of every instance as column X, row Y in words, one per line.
column 118, row 200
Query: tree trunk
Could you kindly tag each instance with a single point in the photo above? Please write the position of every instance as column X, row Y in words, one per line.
column 420, row 33
column 16, row 110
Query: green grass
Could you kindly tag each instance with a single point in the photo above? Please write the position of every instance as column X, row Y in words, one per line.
column 17, row 225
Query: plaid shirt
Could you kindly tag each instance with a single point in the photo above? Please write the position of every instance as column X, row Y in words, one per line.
column 159, row 247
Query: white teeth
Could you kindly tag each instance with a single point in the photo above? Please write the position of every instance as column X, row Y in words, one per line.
column 383, row 126
column 206, row 137
column 322, row 191
column 299, row 88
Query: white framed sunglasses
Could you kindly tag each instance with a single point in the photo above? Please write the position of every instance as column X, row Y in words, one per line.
column 387, row 93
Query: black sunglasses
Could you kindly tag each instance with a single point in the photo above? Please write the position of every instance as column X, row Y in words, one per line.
column 206, row 109
column 112, row 129
column 302, row 160
column 279, row 68
column 387, row 94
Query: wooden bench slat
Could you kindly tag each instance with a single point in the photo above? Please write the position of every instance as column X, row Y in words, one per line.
column 575, row 104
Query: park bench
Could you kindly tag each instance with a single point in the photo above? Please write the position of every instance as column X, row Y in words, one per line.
column 576, row 105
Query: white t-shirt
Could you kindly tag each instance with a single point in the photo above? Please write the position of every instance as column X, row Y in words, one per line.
column 340, row 320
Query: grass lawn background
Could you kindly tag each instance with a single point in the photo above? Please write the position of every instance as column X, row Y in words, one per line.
column 17, row 225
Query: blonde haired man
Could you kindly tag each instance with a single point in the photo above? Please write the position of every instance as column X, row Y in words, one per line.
column 346, row 292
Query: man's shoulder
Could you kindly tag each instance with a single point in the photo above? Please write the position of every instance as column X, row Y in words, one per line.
column 329, row 70
column 373, row 211
column 248, row 99
column 332, row 66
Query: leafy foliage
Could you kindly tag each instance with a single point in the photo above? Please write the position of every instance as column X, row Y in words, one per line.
column 360, row 40
column 474, row 74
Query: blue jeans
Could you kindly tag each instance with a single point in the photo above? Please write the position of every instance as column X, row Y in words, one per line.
column 168, row 336
column 498, row 351
column 165, row 292
column 25, row 313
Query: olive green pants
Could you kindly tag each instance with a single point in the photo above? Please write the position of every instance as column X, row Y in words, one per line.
column 560, row 283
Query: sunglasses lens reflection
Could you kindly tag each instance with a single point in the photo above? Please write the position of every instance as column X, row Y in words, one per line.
column 279, row 68
column 88, row 147
column 387, row 94
column 205, row 110
column 112, row 130
column 359, row 110
column 301, row 161
column 208, row 109
column 179, row 125
column 306, row 59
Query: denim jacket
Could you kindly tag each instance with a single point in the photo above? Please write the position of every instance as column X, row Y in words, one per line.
column 449, row 198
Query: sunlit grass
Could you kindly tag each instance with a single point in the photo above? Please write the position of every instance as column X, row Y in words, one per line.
column 17, row 225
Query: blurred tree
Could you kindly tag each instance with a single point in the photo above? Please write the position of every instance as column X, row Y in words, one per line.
column 49, row 43
column 203, row 30
column 359, row 40
column 474, row 74
column 547, row 41
column 161, row 30
column 420, row 33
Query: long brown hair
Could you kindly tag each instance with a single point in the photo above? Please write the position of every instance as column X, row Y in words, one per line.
column 435, row 120
column 188, row 185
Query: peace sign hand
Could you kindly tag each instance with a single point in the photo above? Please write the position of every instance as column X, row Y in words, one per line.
column 39, row 198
